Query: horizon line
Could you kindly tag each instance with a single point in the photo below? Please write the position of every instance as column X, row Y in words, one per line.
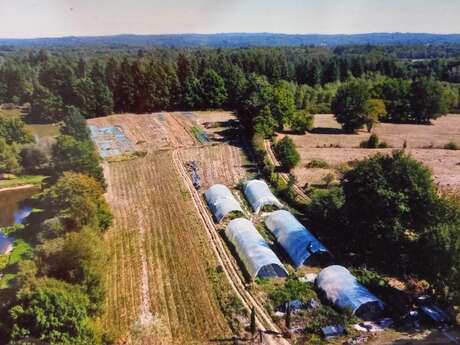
column 231, row 33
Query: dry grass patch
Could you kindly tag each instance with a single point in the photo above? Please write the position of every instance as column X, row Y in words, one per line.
column 424, row 142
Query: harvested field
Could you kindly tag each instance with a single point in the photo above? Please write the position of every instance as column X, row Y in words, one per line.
column 161, row 262
column 217, row 164
column 329, row 144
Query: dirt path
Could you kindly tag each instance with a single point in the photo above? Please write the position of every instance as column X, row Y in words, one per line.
column 263, row 320
column 24, row 186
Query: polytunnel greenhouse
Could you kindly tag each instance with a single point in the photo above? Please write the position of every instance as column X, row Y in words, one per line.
column 342, row 289
column 221, row 202
column 259, row 195
column 297, row 241
column 253, row 250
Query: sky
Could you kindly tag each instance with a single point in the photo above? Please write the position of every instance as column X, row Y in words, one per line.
column 51, row 18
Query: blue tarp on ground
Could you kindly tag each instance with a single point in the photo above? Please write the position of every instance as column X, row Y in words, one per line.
column 111, row 141
column 296, row 240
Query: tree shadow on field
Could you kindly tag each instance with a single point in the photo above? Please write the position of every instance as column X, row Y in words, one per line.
column 250, row 168
column 327, row 130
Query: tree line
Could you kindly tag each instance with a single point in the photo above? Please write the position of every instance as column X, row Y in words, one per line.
column 175, row 79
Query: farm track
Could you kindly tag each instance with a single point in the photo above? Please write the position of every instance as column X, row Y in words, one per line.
column 263, row 320
column 284, row 176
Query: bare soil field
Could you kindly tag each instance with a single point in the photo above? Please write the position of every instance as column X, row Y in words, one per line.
column 217, row 164
column 224, row 160
column 424, row 142
column 159, row 272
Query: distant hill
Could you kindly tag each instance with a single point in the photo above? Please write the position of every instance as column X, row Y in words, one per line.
column 229, row 40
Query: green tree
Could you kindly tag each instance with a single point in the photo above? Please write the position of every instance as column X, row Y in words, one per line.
column 259, row 95
column 75, row 125
column 350, row 105
column 301, row 121
column 85, row 96
column 236, row 84
column 214, row 92
column 45, row 106
column 386, row 195
column 287, row 153
column 265, row 123
column 283, row 105
column 396, row 95
column 124, row 88
column 8, row 158
column 376, row 111
column 77, row 258
column 13, row 130
column 53, row 312
column 427, row 100
column 442, row 239
column 79, row 199
column 69, row 154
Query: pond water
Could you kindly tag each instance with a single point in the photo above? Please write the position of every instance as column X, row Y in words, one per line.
column 13, row 208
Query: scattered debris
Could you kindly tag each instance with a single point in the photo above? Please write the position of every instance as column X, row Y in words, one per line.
column 373, row 327
column 333, row 331
column 360, row 339
column 294, row 305
column 431, row 311
column 312, row 304
column 192, row 168
column 411, row 320
column 308, row 278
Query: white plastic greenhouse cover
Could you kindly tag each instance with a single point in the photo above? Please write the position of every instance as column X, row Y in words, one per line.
column 253, row 250
column 221, row 201
column 259, row 195
column 297, row 241
column 342, row 289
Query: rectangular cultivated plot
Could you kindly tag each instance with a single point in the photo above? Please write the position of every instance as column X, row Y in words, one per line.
column 160, row 266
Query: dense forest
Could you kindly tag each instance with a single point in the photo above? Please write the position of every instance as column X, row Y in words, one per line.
column 172, row 79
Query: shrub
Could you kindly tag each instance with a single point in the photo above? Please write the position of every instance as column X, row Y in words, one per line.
column 373, row 143
column 287, row 154
column 301, row 122
column 52, row 311
column 451, row 146
column 317, row 163
column 368, row 278
column 292, row 289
